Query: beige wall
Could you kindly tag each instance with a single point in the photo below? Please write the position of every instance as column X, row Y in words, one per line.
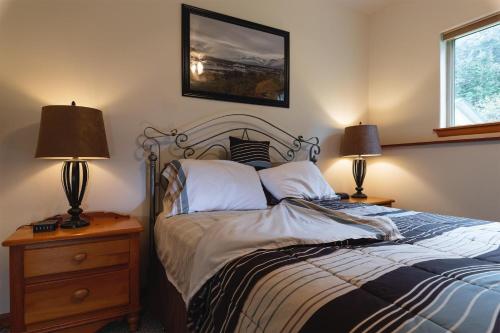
column 404, row 101
column 125, row 60
column 123, row 57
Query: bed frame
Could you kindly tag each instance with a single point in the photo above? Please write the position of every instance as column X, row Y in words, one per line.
column 199, row 141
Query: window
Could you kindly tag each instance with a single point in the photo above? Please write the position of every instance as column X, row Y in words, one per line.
column 472, row 74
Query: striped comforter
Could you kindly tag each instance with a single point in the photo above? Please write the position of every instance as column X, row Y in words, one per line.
column 443, row 277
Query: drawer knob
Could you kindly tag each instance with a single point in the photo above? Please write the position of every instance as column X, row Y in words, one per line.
column 80, row 294
column 80, row 257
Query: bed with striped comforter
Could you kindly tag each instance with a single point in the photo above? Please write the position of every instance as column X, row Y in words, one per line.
column 444, row 276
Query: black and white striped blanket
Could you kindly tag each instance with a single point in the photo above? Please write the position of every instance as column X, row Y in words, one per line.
column 443, row 277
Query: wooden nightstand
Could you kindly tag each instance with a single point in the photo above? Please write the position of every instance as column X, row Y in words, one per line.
column 372, row 201
column 75, row 280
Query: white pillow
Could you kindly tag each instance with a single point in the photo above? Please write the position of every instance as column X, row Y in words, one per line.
column 207, row 185
column 297, row 180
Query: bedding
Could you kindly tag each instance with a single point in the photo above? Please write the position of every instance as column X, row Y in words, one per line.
column 176, row 240
column 443, row 276
column 293, row 222
column 210, row 185
column 296, row 180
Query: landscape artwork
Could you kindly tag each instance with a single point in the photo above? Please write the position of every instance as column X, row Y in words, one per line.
column 234, row 60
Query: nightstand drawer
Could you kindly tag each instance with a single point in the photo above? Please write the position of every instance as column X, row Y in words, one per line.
column 51, row 300
column 76, row 257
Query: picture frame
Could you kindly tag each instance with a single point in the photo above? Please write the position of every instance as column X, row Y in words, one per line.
column 229, row 59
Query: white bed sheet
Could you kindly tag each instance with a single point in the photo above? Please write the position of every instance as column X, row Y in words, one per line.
column 182, row 233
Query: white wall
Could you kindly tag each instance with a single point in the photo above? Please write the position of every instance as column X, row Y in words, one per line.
column 124, row 58
column 404, row 101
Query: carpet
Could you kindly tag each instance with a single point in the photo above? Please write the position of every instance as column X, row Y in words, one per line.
column 147, row 324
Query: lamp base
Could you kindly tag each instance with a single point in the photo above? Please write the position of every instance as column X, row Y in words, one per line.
column 74, row 224
column 74, row 178
column 359, row 195
column 359, row 172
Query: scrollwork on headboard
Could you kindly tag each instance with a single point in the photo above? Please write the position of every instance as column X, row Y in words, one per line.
column 196, row 148
column 286, row 145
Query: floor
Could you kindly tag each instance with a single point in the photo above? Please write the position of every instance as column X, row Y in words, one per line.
column 147, row 325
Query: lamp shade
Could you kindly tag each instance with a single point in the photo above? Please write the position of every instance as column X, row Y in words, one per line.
column 70, row 131
column 361, row 140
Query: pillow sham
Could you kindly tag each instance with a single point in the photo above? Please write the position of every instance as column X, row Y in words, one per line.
column 254, row 153
column 208, row 185
column 296, row 180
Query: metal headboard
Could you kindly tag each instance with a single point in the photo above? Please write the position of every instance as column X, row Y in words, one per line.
column 284, row 144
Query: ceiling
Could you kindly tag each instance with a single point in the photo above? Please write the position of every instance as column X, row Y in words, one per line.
column 366, row 6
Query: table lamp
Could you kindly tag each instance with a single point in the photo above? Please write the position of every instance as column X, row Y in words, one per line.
column 360, row 141
column 74, row 134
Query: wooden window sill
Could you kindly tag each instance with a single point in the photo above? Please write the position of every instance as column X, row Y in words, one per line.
column 468, row 129
column 440, row 142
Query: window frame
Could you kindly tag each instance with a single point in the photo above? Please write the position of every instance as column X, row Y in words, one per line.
column 448, row 79
column 450, row 83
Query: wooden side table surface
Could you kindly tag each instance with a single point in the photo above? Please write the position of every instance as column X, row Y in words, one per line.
column 102, row 224
column 372, row 201
column 75, row 280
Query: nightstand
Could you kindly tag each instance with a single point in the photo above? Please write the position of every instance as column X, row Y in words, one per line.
column 75, row 280
column 372, row 201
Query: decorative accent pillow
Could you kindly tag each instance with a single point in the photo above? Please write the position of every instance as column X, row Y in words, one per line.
column 296, row 180
column 175, row 199
column 208, row 185
column 254, row 153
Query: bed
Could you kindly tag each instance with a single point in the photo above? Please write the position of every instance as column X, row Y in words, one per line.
column 411, row 272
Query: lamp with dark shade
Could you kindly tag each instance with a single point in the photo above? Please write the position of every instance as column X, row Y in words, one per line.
column 75, row 134
column 360, row 141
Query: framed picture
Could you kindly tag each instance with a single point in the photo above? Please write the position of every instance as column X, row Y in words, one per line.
column 229, row 59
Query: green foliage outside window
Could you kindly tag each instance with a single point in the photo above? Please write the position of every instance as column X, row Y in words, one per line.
column 477, row 72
